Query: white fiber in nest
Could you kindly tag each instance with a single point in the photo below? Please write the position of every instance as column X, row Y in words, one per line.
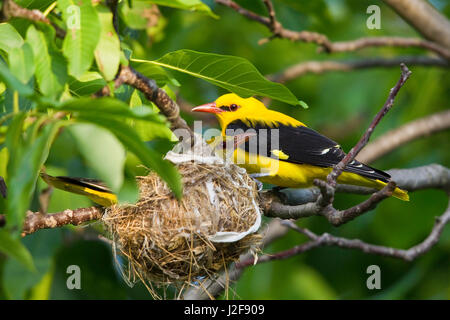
column 202, row 153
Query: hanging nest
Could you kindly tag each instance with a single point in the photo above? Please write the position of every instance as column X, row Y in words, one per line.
column 167, row 241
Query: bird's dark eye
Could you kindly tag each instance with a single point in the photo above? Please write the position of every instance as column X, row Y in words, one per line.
column 234, row 107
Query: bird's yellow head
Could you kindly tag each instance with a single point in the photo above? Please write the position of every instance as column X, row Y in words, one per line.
column 230, row 107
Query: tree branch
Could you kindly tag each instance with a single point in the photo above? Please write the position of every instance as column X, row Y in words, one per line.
column 406, row 133
column 152, row 92
column 13, row 10
column 329, row 46
column 424, row 18
column 330, row 240
column 319, row 67
column 303, row 203
column 36, row 220
column 339, row 168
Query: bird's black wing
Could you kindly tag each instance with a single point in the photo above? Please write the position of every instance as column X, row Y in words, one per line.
column 82, row 182
column 300, row 145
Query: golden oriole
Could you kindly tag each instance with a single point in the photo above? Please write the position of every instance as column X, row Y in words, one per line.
column 298, row 157
column 98, row 192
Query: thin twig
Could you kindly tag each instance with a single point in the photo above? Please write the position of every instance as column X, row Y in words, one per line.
column 319, row 67
column 36, row 220
column 343, row 46
column 273, row 24
column 339, row 168
column 166, row 105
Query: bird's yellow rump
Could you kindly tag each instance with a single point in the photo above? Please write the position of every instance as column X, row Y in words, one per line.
column 296, row 157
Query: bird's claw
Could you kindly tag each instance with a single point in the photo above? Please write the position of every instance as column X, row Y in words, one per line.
column 255, row 177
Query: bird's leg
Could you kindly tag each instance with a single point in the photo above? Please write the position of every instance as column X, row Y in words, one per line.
column 259, row 184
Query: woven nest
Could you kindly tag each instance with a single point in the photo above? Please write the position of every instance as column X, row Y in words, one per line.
column 167, row 241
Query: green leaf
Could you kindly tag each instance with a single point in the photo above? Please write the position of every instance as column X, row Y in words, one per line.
column 303, row 104
column 109, row 107
column 235, row 74
column 21, row 62
column 12, row 82
column 14, row 139
column 24, row 171
column 134, row 16
column 107, row 53
column 49, row 83
column 15, row 249
column 87, row 84
column 83, row 34
column 10, row 38
column 156, row 73
column 132, row 141
column 192, row 5
column 102, row 152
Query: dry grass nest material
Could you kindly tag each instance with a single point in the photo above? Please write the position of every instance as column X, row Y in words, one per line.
column 167, row 241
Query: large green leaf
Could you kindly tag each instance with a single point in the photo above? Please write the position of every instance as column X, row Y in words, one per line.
column 21, row 62
column 24, row 171
column 155, row 72
column 49, row 83
column 107, row 53
column 15, row 249
column 83, row 34
column 102, row 152
column 9, row 38
column 235, row 74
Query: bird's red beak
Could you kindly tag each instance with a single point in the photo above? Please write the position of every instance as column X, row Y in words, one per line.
column 209, row 107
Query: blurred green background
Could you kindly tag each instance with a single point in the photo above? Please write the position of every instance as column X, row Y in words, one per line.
column 341, row 105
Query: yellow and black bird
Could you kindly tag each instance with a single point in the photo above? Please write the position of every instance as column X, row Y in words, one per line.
column 300, row 154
